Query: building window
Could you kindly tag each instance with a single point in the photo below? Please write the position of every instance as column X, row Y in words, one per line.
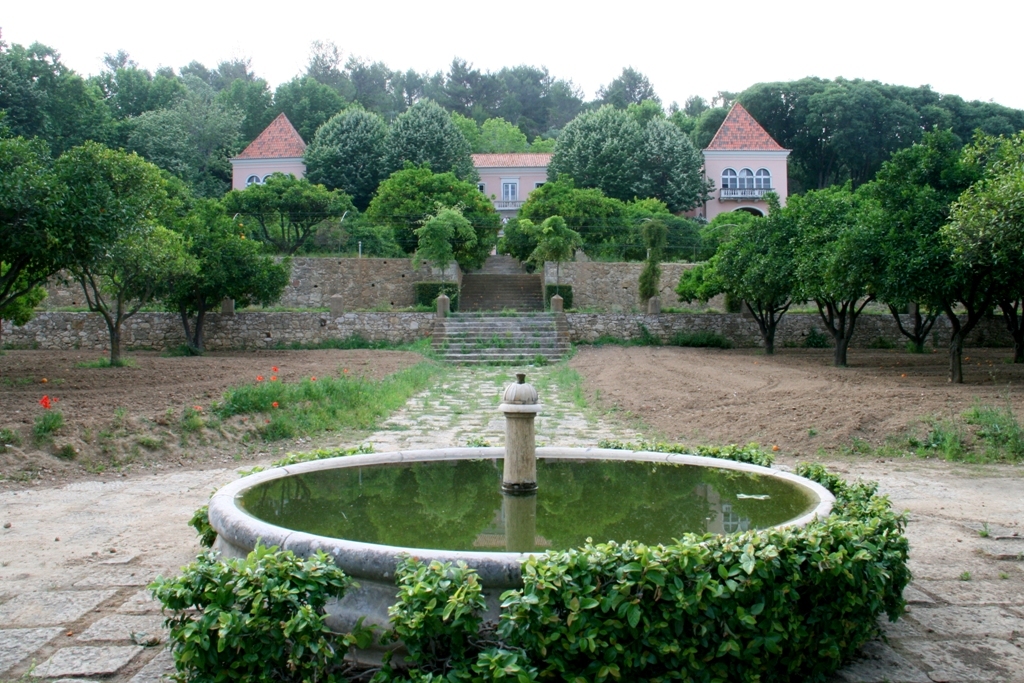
column 746, row 179
column 267, row 177
column 510, row 191
column 763, row 179
column 481, row 187
column 729, row 179
column 252, row 180
column 536, row 185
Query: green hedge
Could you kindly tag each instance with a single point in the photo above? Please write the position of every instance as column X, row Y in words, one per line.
column 756, row 606
column 565, row 291
column 427, row 293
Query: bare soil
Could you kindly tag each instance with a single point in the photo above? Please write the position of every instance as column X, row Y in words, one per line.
column 796, row 399
column 119, row 418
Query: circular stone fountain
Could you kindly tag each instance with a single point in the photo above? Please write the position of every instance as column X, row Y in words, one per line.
column 489, row 507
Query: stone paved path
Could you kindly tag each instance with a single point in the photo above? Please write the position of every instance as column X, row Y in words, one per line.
column 75, row 559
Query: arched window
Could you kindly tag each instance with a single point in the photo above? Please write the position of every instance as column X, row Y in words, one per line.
column 746, row 179
column 729, row 179
column 267, row 177
column 763, row 179
column 252, row 180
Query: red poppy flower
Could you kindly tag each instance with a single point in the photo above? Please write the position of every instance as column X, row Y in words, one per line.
column 274, row 404
column 198, row 409
column 274, row 368
column 259, row 378
column 312, row 379
column 273, row 378
column 45, row 402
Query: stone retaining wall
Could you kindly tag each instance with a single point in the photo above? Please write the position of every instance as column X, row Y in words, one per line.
column 57, row 330
column 363, row 283
column 793, row 329
column 613, row 286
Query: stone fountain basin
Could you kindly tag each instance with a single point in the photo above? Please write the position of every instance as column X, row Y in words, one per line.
column 373, row 565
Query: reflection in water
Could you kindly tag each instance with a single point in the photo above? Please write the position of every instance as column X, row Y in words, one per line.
column 458, row 505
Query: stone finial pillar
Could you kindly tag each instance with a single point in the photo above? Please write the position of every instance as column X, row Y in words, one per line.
column 519, row 403
column 227, row 307
column 556, row 304
column 654, row 305
column 337, row 303
column 443, row 305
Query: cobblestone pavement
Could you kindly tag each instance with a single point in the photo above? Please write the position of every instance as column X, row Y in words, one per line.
column 75, row 560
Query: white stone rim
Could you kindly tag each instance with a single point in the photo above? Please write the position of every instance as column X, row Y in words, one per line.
column 496, row 569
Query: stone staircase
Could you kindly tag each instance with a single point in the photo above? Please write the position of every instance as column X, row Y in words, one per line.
column 501, row 285
column 476, row 339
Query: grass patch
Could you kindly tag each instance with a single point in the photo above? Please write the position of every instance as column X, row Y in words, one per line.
column 66, row 452
column 46, row 424
column 105, row 363
column 421, row 346
column 567, row 381
column 8, row 437
column 701, row 339
column 327, row 404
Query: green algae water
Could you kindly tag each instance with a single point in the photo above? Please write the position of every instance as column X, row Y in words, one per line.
column 458, row 504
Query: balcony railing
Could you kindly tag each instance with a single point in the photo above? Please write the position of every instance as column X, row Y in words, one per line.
column 744, row 192
column 507, row 205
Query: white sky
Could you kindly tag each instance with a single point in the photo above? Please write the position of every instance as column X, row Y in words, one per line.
column 684, row 47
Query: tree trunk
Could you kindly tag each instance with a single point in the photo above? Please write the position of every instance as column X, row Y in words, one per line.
column 956, row 354
column 197, row 344
column 114, row 327
column 839, row 353
column 769, row 339
column 921, row 329
column 1015, row 326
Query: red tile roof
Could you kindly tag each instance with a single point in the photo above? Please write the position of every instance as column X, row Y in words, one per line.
column 510, row 160
column 279, row 140
column 740, row 132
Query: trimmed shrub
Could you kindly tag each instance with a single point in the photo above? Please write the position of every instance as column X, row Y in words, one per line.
column 816, row 339
column 257, row 619
column 427, row 293
column 564, row 291
column 701, row 339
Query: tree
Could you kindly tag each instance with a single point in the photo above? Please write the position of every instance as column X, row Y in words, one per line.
column 426, row 134
column 253, row 100
column 655, row 235
column 307, row 103
column 555, row 242
column 346, row 154
column 756, row 264
column 630, row 87
column 441, row 235
column 35, row 240
column 21, row 309
column 838, row 257
column 915, row 190
column 498, row 136
column 986, row 235
column 120, row 200
column 229, row 266
column 412, row 195
column 194, row 139
column 470, row 130
column 609, row 149
column 324, row 67
column 285, row 211
column 589, row 212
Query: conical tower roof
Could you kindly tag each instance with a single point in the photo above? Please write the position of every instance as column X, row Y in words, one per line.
column 740, row 132
column 279, row 140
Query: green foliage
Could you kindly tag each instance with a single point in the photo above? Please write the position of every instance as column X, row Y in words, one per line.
column 700, row 339
column 440, row 234
column 286, row 211
column 426, row 294
column 775, row 605
column 328, row 403
column 426, row 135
column 589, row 212
column 411, row 195
column 228, row 267
column 345, row 154
column 555, row 242
column 629, row 89
column 46, row 424
column 23, row 308
column 8, row 437
column 564, row 291
column 66, row 452
column 257, row 619
column 307, row 104
column 999, row 431
column 201, row 523
column 816, row 340
column 498, row 136
column 105, row 363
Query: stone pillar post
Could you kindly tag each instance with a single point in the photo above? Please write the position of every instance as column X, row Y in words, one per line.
column 520, row 522
column 556, row 304
column 519, row 403
column 227, row 307
column 337, row 303
column 443, row 305
column 654, row 305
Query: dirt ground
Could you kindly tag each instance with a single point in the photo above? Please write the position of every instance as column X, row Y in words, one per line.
column 118, row 417
column 794, row 399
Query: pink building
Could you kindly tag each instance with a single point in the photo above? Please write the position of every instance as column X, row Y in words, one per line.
column 508, row 179
column 278, row 149
column 745, row 163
